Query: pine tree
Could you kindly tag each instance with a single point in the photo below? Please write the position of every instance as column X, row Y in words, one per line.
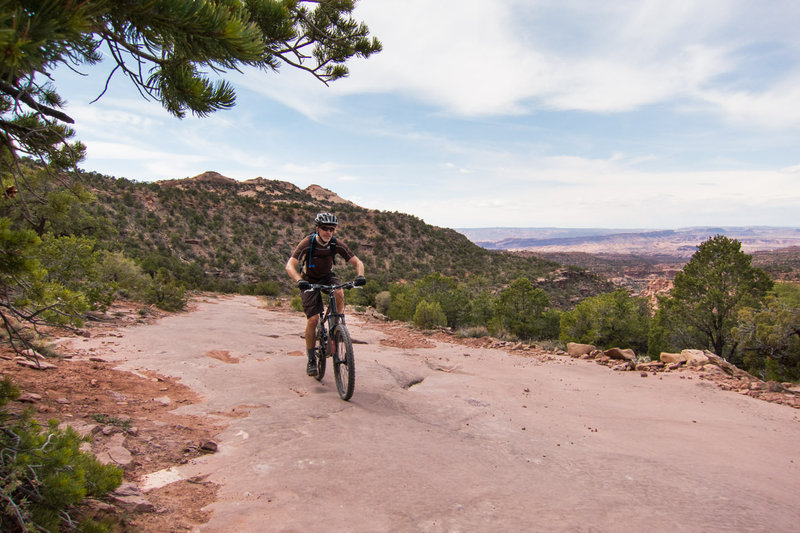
column 522, row 310
column 715, row 284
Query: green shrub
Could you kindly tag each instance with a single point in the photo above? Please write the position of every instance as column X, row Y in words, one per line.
column 366, row 295
column 166, row 293
column 383, row 300
column 768, row 339
column 613, row 319
column 128, row 278
column 43, row 473
column 73, row 262
column 473, row 332
column 522, row 311
column 445, row 291
column 481, row 309
column 264, row 288
column 789, row 293
column 403, row 303
column 429, row 315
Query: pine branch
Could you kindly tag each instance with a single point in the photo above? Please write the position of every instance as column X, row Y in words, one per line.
column 28, row 100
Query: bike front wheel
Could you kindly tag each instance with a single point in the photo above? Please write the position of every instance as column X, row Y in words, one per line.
column 322, row 351
column 344, row 369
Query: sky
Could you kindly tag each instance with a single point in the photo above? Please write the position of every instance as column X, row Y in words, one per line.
column 509, row 113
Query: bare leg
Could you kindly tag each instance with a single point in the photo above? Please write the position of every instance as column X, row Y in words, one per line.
column 340, row 300
column 311, row 339
column 311, row 331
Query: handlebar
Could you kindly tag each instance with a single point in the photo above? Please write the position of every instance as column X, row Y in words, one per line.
column 330, row 288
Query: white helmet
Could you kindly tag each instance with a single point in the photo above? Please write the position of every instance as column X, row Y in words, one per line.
column 326, row 219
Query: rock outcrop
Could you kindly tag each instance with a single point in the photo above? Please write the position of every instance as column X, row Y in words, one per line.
column 325, row 195
column 621, row 354
column 575, row 349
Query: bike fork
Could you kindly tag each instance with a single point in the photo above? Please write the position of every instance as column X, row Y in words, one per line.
column 331, row 347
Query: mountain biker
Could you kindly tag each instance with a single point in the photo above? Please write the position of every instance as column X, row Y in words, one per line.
column 312, row 262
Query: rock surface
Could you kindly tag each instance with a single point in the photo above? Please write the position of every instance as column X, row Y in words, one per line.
column 551, row 442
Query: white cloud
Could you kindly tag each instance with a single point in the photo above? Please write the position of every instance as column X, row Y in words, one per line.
column 613, row 192
column 113, row 150
column 456, row 55
column 140, row 161
column 473, row 58
column 774, row 107
column 293, row 88
column 326, row 174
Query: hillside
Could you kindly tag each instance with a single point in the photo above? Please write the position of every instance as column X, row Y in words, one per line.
column 220, row 233
column 781, row 264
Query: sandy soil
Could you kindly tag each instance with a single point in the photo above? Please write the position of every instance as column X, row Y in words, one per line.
column 227, row 434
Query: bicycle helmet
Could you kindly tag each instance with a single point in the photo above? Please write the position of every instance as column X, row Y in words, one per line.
column 326, row 219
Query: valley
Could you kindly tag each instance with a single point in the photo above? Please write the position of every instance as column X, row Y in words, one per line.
column 643, row 261
column 662, row 243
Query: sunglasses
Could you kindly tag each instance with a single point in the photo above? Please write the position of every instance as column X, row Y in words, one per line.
column 327, row 228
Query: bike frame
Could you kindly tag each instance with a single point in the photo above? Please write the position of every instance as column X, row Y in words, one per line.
column 331, row 315
column 335, row 342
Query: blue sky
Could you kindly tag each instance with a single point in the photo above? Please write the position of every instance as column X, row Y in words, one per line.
column 521, row 113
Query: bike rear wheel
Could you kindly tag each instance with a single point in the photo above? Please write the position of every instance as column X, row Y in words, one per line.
column 344, row 369
column 322, row 351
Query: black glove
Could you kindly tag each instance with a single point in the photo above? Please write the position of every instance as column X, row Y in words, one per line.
column 303, row 285
column 360, row 281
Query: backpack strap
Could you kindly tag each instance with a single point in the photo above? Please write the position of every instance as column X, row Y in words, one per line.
column 307, row 257
column 331, row 245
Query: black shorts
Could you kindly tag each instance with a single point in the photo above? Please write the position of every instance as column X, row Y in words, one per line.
column 312, row 301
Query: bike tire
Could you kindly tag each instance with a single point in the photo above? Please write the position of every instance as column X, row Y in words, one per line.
column 344, row 369
column 322, row 354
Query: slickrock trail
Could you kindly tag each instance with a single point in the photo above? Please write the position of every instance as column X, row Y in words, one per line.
column 456, row 438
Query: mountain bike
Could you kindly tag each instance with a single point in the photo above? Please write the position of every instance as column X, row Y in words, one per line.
column 333, row 340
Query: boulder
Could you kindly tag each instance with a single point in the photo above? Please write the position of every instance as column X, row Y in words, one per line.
column 120, row 456
column 38, row 364
column 726, row 366
column 130, row 498
column 372, row 312
column 576, row 350
column 695, row 357
column 668, row 357
column 621, row 354
column 774, row 386
column 29, row 397
column 115, row 452
column 209, row 447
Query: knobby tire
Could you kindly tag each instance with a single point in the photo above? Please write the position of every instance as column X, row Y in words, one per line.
column 322, row 353
column 344, row 369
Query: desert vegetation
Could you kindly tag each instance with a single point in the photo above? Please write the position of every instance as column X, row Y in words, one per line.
column 720, row 303
column 155, row 241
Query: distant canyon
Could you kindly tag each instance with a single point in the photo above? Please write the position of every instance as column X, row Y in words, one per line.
column 643, row 260
column 667, row 243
